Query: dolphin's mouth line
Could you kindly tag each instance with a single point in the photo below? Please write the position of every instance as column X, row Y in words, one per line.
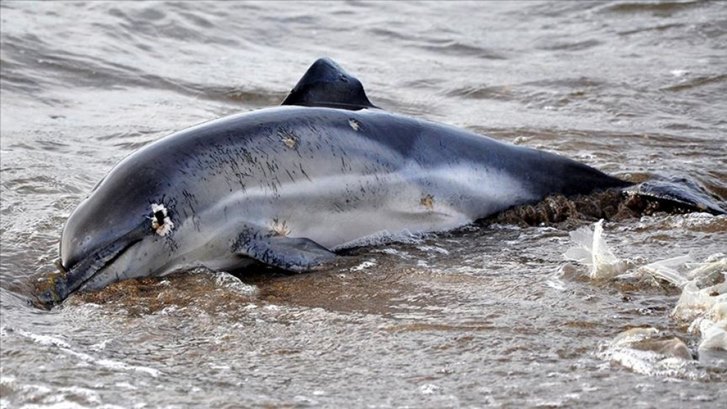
column 68, row 280
column 95, row 269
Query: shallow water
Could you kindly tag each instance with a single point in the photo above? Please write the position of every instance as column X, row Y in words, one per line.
column 488, row 316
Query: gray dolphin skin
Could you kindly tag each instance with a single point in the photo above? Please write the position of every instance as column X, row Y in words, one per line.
column 290, row 185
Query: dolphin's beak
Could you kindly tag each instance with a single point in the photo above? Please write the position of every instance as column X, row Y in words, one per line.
column 54, row 288
column 60, row 285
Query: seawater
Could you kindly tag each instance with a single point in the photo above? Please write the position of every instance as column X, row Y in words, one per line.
column 491, row 315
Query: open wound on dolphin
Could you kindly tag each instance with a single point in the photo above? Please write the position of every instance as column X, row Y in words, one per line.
column 160, row 221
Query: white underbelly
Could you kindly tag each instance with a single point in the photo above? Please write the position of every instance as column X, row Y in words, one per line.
column 341, row 210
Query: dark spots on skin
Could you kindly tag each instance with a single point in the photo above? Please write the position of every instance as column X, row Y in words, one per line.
column 171, row 243
column 303, row 172
column 292, row 179
column 190, row 201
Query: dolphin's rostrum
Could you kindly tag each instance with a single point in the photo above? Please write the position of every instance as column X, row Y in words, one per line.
column 288, row 186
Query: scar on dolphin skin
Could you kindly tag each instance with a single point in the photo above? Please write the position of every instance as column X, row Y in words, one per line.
column 355, row 125
column 428, row 202
column 288, row 139
column 280, row 228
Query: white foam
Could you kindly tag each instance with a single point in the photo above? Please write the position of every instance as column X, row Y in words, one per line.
column 230, row 282
column 435, row 249
column 393, row 252
column 112, row 364
column 106, row 363
column 89, row 395
column 365, row 265
column 46, row 340
column 556, row 284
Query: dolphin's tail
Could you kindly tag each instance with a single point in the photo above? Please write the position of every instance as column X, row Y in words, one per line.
column 675, row 195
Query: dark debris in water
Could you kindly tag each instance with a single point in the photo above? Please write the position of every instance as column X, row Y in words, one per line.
column 569, row 212
column 151, row 295
column 398, row 289
column 333, row 290
column 558, row 209
column 376, row 292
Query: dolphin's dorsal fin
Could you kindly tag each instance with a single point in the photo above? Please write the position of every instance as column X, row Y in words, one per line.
column 325, row 84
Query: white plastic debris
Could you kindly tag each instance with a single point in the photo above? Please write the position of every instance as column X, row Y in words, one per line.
column 592, row 250
column 648, row 351
column 704, row 302
column 667, row 270
column 710, row 270
column 696, row 301
column 712, row 327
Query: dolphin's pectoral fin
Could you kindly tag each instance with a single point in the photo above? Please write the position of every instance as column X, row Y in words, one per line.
column 292, row 254
column 325, row 84
column 678, row 194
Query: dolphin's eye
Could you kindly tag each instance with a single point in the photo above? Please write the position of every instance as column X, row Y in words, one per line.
column 160, row 220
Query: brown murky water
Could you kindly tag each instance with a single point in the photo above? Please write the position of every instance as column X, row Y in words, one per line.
column 488, row 316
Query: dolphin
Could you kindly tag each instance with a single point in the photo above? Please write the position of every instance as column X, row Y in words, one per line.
column 289, row 186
